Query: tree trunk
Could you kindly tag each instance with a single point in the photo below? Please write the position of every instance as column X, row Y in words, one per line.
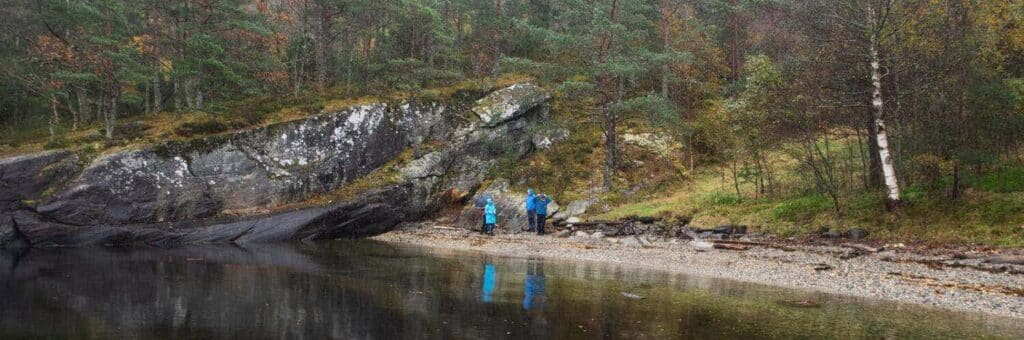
column 736, row 181
column 74, row 113
column 158, row 97
column 320, row 60
column 611, row 149
column 83, row 104
column 146, row 104
column 954, row 193
column 200, row 98
column 881, row 135
column 874, row 170
column 692, row 153
column 54, row 117
column 665, row 70
column 188, row 94
column 177, row 94
column 320, row 51
column 111, row 116
column 348, row 72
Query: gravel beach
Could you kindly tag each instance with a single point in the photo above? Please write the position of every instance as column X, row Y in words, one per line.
column 958, row 283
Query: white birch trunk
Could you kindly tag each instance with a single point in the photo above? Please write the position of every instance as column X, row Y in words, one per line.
column 877, row 105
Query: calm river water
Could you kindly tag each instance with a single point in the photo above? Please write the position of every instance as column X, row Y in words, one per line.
column 370, row 290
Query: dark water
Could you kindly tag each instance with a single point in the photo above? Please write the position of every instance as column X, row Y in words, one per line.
column 363, row 289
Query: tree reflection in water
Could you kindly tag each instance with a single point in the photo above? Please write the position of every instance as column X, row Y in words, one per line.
column 365, row 289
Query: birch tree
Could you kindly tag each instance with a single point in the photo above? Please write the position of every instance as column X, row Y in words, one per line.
column 862, row 35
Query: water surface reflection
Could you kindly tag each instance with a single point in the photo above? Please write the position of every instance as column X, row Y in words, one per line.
column 368, row 290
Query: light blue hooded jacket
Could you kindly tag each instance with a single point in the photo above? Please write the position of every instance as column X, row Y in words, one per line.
column 490, row 213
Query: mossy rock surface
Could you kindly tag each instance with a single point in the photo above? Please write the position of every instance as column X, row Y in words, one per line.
column 508, row 103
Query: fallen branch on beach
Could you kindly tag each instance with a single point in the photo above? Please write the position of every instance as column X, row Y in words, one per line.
column 727, row 246
column 1005, row 259
column 862, row 247
column 754, row 244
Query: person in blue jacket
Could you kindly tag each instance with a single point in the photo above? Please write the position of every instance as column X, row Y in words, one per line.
column 490, row 217
column 531, row 211
column 540, row 204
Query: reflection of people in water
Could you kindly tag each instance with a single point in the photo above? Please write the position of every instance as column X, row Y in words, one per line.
column 489, row 282
column 533, row 288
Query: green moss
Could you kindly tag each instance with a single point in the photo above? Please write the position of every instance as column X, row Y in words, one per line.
column 721, row 198
column 58, row 142
column 205, row 126
column 183, row 148
column 1006, row 180
column 802, row 209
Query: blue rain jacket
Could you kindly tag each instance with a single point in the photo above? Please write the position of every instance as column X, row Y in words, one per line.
column 541, row 205
column 490, row 214
column 530, row 204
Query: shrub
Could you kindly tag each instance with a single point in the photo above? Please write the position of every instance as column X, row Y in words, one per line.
column 204, row 126
column 802, row 209
column 721, row 198
column 58, row 142
column 1006, row 180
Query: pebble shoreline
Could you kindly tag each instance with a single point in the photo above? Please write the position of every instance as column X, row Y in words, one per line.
column 875, row 276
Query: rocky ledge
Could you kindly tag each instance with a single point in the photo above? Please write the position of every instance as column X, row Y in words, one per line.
column 235, row 187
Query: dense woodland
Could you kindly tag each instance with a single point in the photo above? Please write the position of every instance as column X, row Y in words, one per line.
column 918, row 92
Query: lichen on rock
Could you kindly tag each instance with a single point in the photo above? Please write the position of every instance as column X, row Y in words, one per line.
column 508, row 103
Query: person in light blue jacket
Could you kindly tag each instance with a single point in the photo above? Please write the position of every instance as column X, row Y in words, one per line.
column 541, row 206
column 531, row 211
column 490, row 217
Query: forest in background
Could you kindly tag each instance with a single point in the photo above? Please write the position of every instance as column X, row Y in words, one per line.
column 894, row 100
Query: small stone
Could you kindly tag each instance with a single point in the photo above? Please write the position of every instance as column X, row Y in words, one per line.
column 597, row 234
column 702, row 245
column 831, row 234
column 856, row 233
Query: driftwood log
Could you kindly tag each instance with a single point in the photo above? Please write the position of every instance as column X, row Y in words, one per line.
column 1005, row 259
column 754, row 244
column 729, row 246
column 862, row 247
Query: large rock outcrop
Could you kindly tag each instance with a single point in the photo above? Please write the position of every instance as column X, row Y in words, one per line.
column 262, row 167
column 226, row 188
column 24, row 178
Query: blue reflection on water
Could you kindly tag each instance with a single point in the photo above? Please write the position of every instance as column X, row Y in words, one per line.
column 534, row 286
column 489, row 280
